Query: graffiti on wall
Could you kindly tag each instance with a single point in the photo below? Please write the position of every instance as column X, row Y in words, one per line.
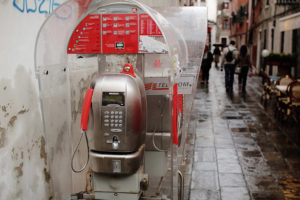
column 35, row 6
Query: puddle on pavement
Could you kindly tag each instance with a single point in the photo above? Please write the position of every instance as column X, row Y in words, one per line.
column 239, row 130
column 290, row 187
column 252, row 154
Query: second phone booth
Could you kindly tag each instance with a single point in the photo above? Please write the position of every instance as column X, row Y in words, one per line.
column 117, row 82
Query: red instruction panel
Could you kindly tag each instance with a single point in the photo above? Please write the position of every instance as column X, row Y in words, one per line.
column 86, row 38
column 119, row 33
column 148, row 26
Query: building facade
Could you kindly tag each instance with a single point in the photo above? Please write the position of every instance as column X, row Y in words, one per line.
column 275, row 27
column 265, row 24
column 223, row 22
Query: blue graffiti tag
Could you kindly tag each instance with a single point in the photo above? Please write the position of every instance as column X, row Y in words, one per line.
column 39, row 6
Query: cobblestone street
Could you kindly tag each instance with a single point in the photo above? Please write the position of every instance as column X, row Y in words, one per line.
column 240, row 150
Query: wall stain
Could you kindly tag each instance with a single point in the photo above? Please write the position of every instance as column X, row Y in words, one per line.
column 60, row 138
column 6, row 114
column 19, row 170
column 4, row 108
column 23, row 111
column 5, row 88
column 43, row 153
column 12, row 120
column 83, row 84
column 2, row 137
column 47, row 175
column 14, row 155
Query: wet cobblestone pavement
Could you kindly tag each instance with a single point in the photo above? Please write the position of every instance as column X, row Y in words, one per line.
column 240, row 151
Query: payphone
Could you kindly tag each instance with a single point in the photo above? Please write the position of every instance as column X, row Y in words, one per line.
column 129, row 73
column 119, row 114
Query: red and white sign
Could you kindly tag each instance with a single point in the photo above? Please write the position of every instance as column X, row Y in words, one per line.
column 86, row 37
column 119, row 33
column 148, row 26
column 114, row 33
column 156, row 86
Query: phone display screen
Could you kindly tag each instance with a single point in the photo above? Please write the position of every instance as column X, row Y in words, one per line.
column 113, row 98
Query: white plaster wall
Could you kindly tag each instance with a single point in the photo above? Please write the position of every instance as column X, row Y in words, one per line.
column 277, row 39
column 287, row 24
column 24, row 165
column 24, row 171
column 212, row 10
column 288, row 40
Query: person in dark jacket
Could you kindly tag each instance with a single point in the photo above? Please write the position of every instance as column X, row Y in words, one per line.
column 206, row 64
column 230, row 55
column 217, row 54
column 244, row 63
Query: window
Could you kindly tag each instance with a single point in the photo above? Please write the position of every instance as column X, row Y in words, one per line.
column 272, row 39
column 267, row 2
column 226, row 25
column 295, row 40
column 282, row 42
column 225, row 5
column 265, row 39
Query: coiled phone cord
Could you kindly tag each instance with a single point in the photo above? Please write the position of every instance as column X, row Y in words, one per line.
column 88, row 154
column 84, row 125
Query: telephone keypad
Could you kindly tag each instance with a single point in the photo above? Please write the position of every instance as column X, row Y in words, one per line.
column 112, row 121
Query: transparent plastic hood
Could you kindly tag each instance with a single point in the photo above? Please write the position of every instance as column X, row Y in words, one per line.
column 63, row 79
column 55, row 33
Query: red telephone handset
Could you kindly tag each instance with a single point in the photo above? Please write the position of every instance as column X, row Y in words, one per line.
column 86, row 108
column 84, row 124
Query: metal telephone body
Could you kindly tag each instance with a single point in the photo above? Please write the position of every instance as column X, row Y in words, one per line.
column 119, row 112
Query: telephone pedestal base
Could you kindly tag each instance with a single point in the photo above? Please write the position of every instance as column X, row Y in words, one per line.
column 109, row 187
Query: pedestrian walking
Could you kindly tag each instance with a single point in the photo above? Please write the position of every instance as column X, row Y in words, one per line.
column 244, row 63
column 206, row 64
column 230, row 55
column 217, row 54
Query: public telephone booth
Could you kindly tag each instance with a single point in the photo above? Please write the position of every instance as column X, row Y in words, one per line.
column 123, row 76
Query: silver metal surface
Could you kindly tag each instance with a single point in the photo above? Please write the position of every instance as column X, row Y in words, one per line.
column 107, row 163
column 158, row 141
column 118, row 128
column 181, row 192
column 119, row 187
column 156, row 163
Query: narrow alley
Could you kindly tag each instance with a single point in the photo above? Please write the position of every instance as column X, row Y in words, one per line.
column 240, row 150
